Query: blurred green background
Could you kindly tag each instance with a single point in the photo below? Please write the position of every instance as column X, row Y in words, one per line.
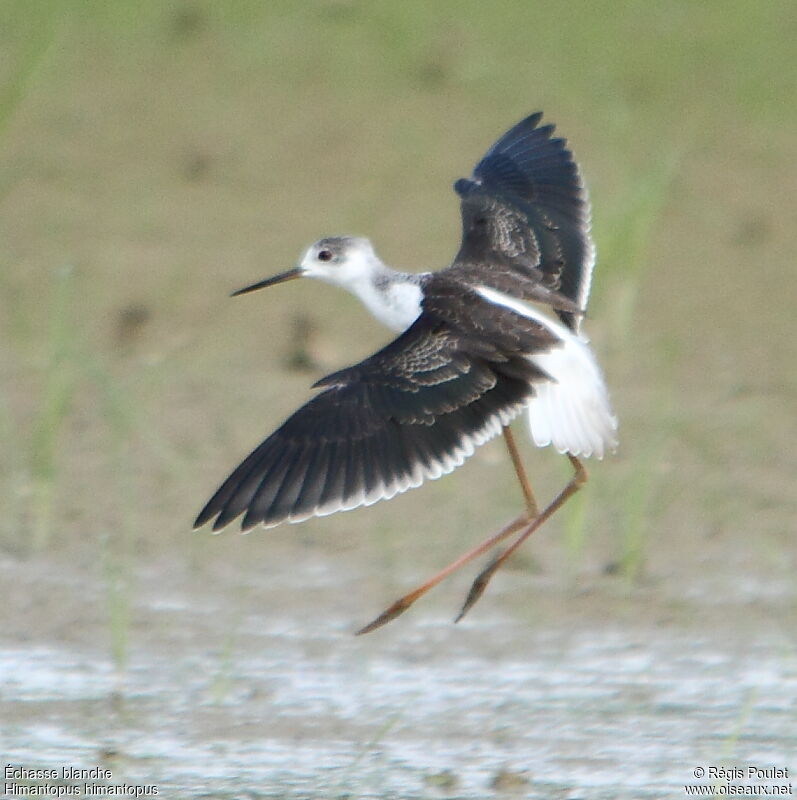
column 156, row 155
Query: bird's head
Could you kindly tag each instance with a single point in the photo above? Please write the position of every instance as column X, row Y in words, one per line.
column 341, row 260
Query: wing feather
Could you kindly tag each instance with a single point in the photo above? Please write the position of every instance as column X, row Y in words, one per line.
column 526, row 209
column 413, row 411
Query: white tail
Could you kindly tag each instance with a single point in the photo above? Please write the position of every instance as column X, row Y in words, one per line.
column 572, row 411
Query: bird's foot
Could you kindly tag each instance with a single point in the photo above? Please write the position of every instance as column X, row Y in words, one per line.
column 478, row 586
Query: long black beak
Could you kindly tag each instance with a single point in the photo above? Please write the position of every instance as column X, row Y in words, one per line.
column 290, row 275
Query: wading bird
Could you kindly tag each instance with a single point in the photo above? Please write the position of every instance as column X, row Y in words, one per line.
column 496, row 333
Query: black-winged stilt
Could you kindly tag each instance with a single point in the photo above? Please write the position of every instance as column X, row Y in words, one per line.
column 496, row 333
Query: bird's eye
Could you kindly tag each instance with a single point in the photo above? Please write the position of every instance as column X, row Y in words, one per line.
column 325, row 255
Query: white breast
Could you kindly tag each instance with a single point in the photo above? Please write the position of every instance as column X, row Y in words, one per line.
column 572, row 411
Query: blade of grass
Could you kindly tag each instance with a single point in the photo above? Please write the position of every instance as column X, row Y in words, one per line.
column 623, row 253
column 623, row 250
column 36, row 26
column 9, row 470
column 118, row 544
column 40, row 23
column 347, row 771
column 575, row 525
column 59, row 384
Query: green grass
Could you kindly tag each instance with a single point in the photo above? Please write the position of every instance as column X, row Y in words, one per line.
column 118, row 543
column 622, row 269
column 37, row 36
column 367, row 748
column 625, row 242
column 59, row 375
column 35, row 30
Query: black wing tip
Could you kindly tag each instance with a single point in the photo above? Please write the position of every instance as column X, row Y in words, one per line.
column 532, row 120
column 526, row 126
column 219, row 511
column 204, row 516
column 525, row 157
column 222, row 520
column 248, row 524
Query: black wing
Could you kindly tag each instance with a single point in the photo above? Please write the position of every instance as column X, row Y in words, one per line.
column 414, row 410
column 526, row 209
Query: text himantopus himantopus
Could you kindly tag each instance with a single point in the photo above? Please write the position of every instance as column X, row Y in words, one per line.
column 496, row 333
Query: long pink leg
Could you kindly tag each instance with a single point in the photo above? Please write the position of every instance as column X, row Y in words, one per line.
column 403, row 603
column 483, row 578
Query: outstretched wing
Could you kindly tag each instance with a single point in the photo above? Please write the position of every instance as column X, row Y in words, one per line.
column 414, row 410
column 526, row 209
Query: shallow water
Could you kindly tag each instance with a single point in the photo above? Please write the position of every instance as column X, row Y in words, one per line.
column 258, row 704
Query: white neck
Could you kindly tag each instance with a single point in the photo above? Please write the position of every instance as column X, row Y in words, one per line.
column 394, row 298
